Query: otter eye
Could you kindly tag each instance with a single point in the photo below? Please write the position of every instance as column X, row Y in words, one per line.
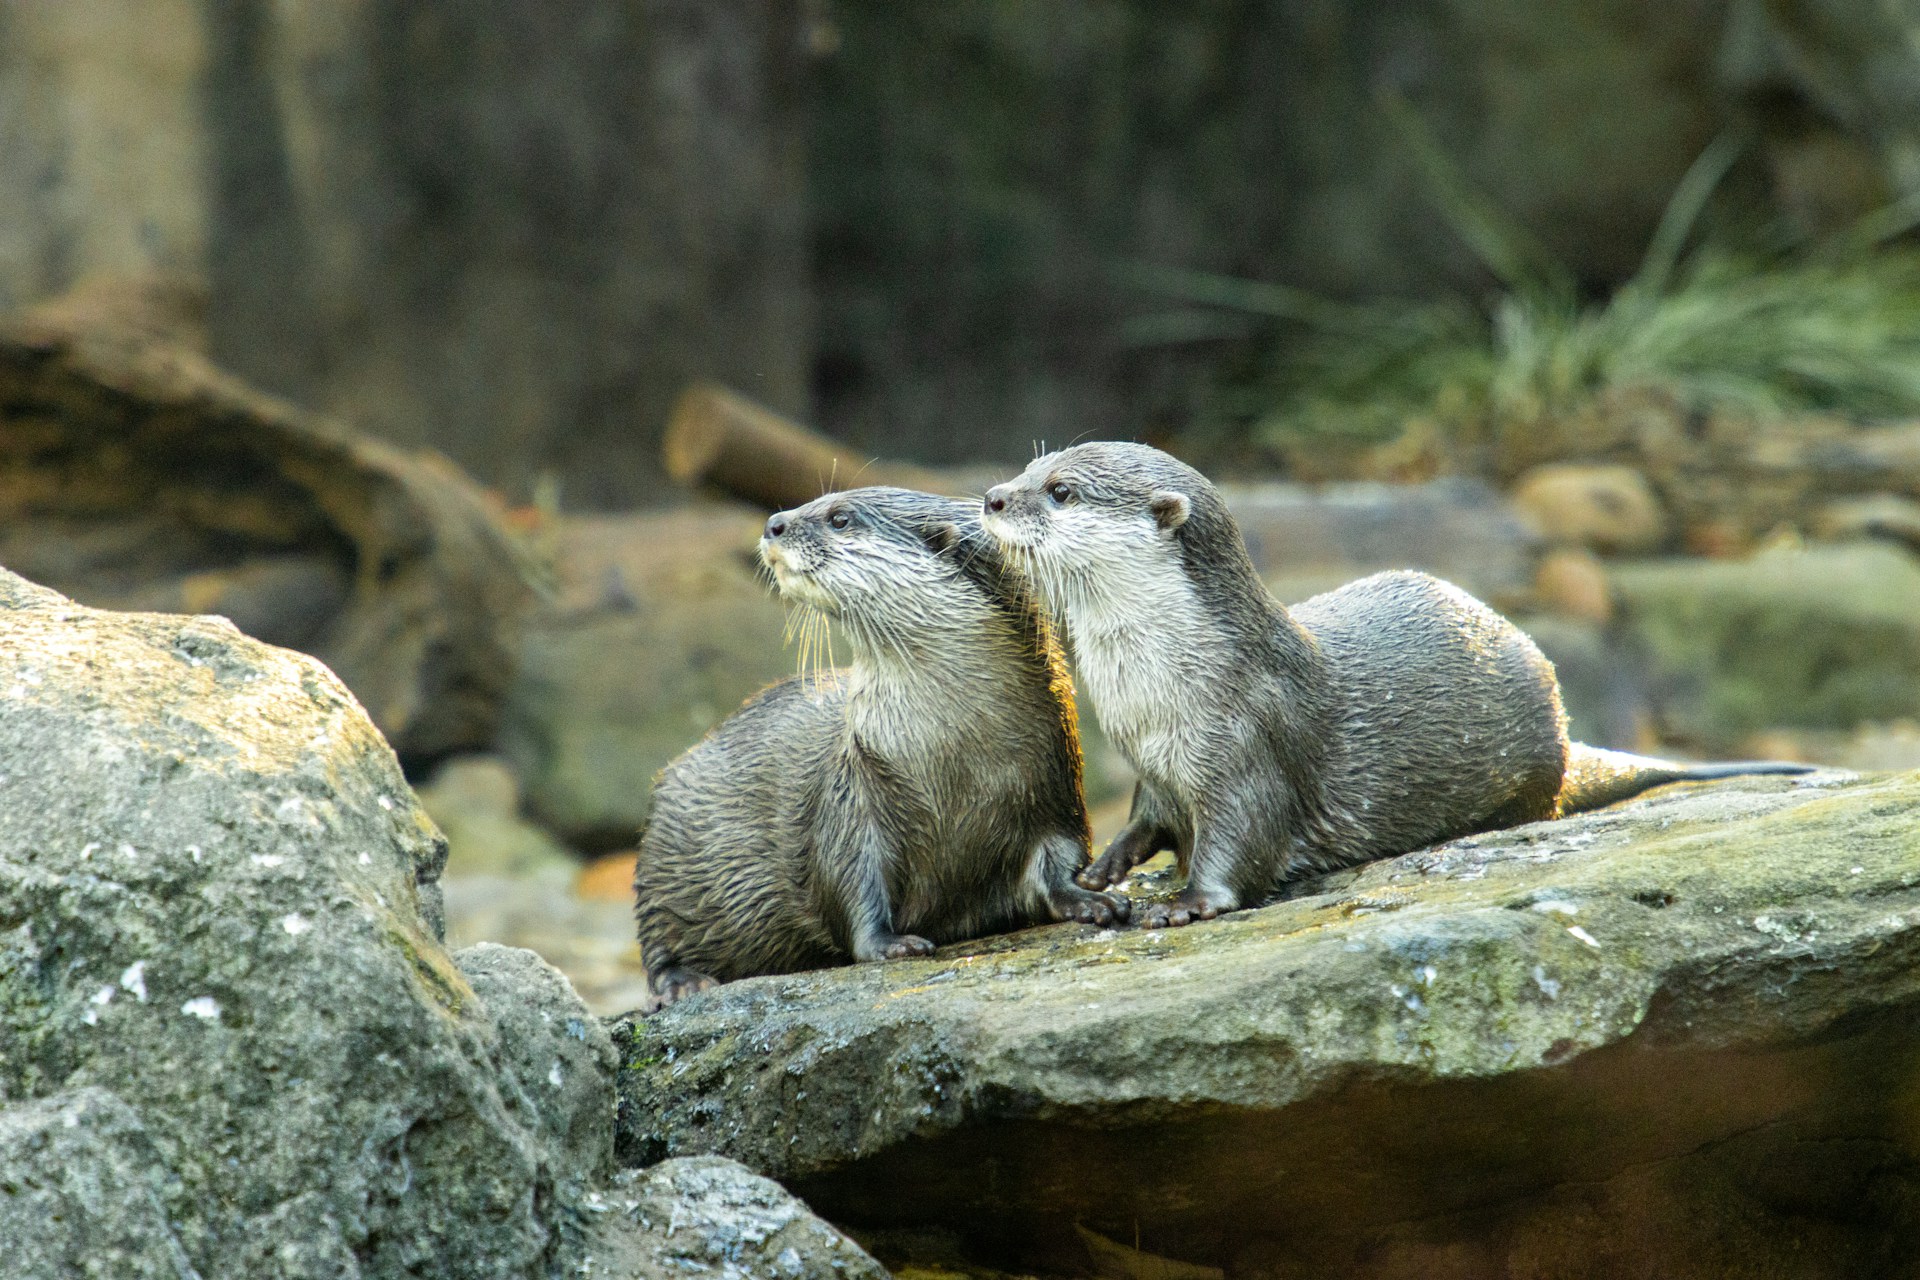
column 839, row 519
column 1059, row 492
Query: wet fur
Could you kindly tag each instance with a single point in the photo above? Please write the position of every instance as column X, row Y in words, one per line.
column 927, row 793
column 1393, row 713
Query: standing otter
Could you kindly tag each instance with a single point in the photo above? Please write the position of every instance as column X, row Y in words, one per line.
column 929, row 792
column 1393, row 713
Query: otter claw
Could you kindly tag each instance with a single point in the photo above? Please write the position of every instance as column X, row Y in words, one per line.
column 1183, row 910
column 905, row 946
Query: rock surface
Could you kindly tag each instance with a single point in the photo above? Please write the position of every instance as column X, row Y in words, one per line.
column 81, row 1192
column 218, row 902
column 1677, row 1037
column 704, row 1216
column 231, row 1043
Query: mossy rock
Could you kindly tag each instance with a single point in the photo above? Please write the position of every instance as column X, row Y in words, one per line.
column 1701, row 1009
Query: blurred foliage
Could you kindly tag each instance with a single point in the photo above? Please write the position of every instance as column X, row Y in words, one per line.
column 1766, row 331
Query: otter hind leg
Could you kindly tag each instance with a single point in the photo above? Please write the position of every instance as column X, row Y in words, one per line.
column 674, row 984
column 1137, row 842
column 1053, row 892
column 1087, row 906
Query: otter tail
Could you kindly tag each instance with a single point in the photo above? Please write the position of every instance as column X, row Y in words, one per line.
column 1597, row 777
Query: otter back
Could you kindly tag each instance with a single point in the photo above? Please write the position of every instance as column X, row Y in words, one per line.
column 1446, row 718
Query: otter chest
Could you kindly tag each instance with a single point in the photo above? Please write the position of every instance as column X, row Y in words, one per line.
column 1142, row 677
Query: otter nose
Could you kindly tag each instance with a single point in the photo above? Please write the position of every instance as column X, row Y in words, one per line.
column 996, row 499
column 777, row 525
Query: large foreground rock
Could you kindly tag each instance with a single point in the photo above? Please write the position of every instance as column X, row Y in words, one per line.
column 1681, row 1037
column 231, row 1043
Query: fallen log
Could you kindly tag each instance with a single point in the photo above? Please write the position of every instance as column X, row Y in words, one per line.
column 719, row 439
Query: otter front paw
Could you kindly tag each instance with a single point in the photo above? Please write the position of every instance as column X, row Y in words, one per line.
column 1068, row 903
column 1112, row 866
column 903, row 946
column 1186, row 908
column 674, row 985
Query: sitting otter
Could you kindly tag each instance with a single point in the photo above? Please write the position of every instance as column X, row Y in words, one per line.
column 929, row 792
column 1393, row 713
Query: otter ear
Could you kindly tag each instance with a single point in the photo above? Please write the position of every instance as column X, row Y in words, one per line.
column 940, row 537
column 1170, row 509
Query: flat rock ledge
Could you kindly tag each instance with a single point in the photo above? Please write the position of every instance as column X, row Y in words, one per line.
column 1679, row 1037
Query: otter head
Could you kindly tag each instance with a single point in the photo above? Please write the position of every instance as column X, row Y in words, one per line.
column 1088, row 520
column 891, row 564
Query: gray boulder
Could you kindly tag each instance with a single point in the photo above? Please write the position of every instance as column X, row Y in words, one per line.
column 81, row 1192
column 557, row 1057
column 219, row 902
column 231, row 1043
column 1668, row 1038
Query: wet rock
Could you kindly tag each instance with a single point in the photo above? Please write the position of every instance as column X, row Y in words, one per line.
column 1821, row 637
column 135, row 475
column 704, row 1216
column 1701, row 1008
column 218, row 901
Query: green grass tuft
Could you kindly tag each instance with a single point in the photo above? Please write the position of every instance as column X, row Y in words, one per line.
column 1831, row 328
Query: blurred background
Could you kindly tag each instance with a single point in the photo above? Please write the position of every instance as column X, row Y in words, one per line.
column 365, row 324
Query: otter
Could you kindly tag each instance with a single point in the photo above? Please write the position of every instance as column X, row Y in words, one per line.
column 1393, row 713
column 930, row 792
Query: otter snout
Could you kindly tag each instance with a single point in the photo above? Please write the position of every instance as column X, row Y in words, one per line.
column 1008, row 513
column 779, row 549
